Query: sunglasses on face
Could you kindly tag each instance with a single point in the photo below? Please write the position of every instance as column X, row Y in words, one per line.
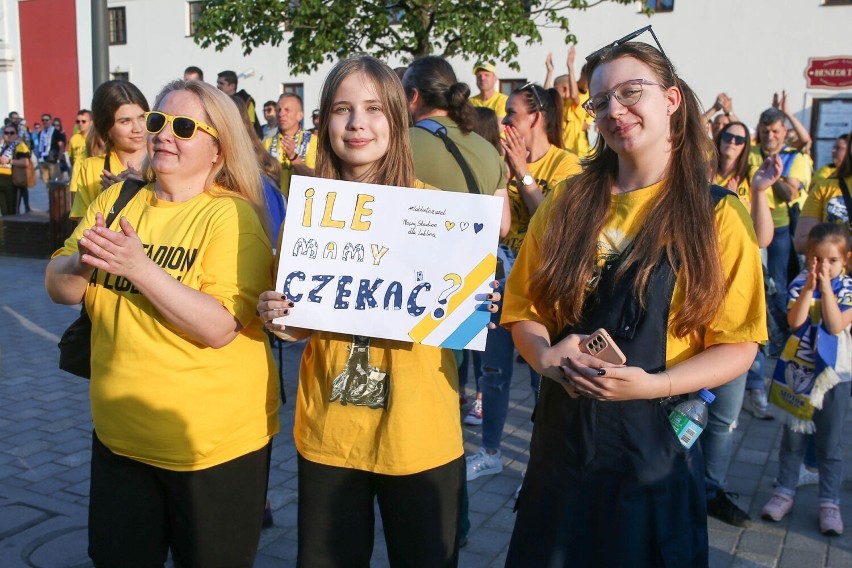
column 9, row 133
column 733, row 139
column 183, row 127
column 627, row 93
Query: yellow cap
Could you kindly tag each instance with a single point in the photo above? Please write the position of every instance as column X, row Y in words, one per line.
column 485, row 66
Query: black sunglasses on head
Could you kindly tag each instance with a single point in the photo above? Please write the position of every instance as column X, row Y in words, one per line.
column 532, row 88
column 634, row 35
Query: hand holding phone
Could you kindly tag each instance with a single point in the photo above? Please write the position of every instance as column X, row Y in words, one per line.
column 602, row 346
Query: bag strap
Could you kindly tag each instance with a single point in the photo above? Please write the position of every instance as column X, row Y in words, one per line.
column 129, row 188
column 847, row 199
column 440, row 131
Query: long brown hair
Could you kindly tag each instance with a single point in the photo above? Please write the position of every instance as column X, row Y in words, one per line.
column 844, row 170
column 268, row 165
column 680, row 220
column 741, row 168
column 396, row 167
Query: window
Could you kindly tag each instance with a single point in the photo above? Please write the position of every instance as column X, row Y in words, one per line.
column 117, row 26
column 660, row 5
column 120, row 75
column 297, row 88
column 509, row 85
column 193, row 12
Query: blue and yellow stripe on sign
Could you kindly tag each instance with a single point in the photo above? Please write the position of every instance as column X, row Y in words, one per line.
column 474, row 281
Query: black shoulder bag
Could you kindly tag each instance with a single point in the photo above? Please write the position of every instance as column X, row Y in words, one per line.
column 440, row 131
column 75, row 346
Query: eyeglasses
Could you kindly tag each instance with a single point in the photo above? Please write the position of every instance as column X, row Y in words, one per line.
column 733, row 139
column 45, row 120
column 9, row 133
column 634, row 35
column 183, row 127
column 532, row 87
column 82, row 121
column 627, row 93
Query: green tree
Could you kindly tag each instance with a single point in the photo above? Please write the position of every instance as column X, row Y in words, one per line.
column 326, row 30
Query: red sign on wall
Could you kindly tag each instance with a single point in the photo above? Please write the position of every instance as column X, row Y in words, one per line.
column 829, row 72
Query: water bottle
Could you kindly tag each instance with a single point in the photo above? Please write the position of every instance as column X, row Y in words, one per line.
column 690, row 417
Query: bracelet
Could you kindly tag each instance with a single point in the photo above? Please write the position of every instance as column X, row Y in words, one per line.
column 670, row 383
column 295, row 156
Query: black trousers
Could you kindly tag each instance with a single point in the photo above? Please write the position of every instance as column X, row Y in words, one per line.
column 420, row 515
column 208, row 518
column 8, row 196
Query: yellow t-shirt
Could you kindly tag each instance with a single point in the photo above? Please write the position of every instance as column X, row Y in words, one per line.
column 555, row 166
column 822, row 173
column 574, row 118
column 308, row 152
column 825, row 201
column 77, row 147
column 20, row 151
column 497, row 103
column 799, row 170
column 742, row 317
column 419, row 430
column 87, row 185
column 158, row 396
column 743, row 190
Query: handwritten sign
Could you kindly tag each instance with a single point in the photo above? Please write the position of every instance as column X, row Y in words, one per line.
column 392, row 262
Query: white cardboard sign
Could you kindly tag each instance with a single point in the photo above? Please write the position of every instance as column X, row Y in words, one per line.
column 392, row 262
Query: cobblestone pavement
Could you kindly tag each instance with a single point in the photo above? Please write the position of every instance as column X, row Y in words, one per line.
column 45, row 436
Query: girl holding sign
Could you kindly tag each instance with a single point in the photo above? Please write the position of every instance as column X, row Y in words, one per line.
column 353, row 446
column 636, row 244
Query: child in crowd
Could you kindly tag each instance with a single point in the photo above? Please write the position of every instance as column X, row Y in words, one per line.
column 812, row 381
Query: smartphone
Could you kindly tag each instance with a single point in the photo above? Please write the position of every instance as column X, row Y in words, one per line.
column 601, row 345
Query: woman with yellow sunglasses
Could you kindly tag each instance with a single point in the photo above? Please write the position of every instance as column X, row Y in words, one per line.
column 184, row 399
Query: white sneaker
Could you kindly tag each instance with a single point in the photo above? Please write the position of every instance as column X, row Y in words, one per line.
column 474, row 415
column 482, row 463
column 756, row 403
column 807, row 477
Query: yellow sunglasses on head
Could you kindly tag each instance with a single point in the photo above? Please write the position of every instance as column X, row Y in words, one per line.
column 183, row 127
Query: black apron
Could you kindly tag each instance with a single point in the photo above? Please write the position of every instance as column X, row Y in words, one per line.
column 608, row 483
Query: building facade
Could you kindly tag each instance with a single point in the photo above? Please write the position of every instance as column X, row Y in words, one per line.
column 746, row 49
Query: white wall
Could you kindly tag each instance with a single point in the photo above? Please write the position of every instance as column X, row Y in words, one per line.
column 11, row 83
column 748, row 49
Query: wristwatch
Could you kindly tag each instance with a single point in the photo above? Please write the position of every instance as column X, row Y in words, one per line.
column 527, row 180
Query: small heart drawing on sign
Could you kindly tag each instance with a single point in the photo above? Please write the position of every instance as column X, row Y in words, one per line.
column 477, row 227
column 449, row 224
column 464, row 225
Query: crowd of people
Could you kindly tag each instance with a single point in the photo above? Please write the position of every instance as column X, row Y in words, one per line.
column 180, row 205
column 46, row 146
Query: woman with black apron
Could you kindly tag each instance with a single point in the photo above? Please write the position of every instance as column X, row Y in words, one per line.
column 639, row 245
